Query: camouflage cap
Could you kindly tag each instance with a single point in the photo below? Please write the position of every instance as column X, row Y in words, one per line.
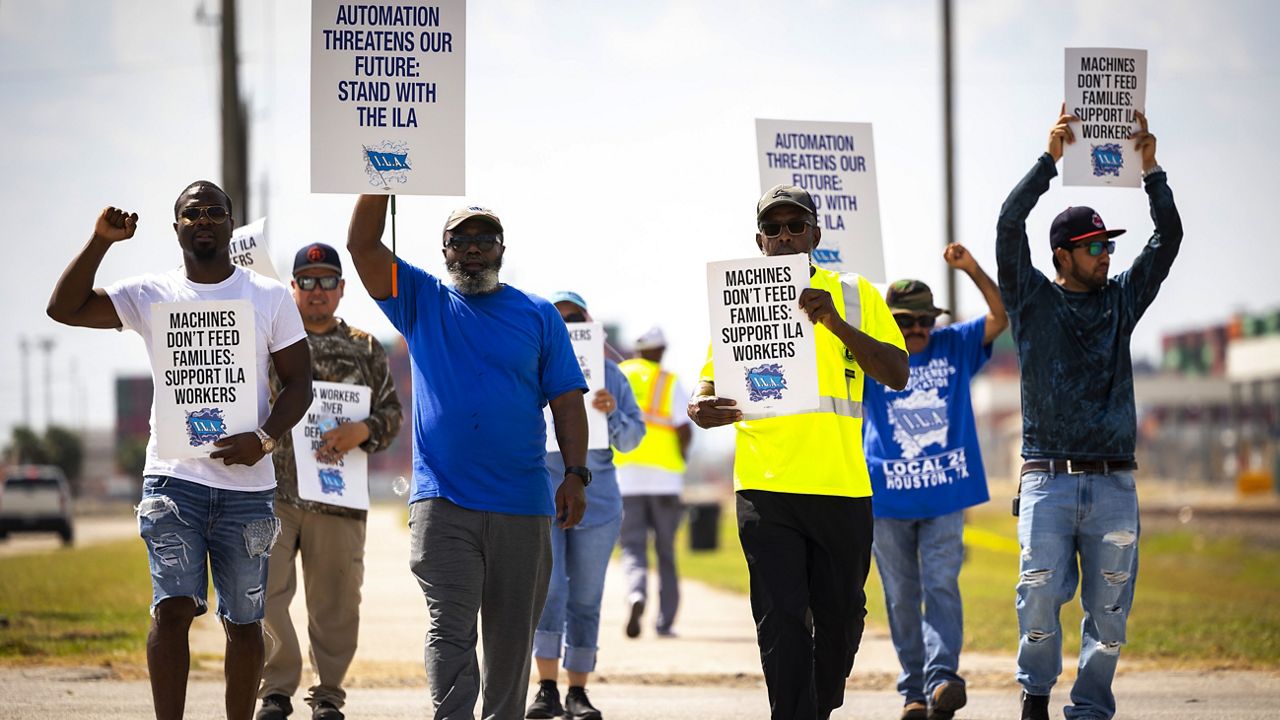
column 911, row 296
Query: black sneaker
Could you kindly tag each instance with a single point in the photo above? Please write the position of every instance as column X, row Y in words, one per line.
column 325, row 710
column 633, row 620
column 947, row 699
column 546, row 704
column 578, row 707
column 274, row 707
column 1035, row 707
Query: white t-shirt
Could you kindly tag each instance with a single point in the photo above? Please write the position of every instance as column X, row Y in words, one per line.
column 646, row 480
column 277, row 325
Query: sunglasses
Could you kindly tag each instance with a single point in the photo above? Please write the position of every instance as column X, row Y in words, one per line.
column 326, row 282
column 906, row 322
column 774, row 229
column 216, row 214
column 1095, row 247
column 460, row 243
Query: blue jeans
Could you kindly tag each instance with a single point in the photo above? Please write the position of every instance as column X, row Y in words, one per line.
column 919, row 563
column 571, row 615
column 1062, row 516
column 191, row 528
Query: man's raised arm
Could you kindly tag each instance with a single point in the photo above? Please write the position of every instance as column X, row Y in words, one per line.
column 75, row 301
column 364, row 241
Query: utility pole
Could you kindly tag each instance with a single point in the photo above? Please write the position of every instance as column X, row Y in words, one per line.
column 235, row 125
column 948, row 151
column 24, row 347
column 46, row 345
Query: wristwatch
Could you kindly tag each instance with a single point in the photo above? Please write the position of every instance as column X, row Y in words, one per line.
column 1154, row 169
column 268, row 442
column 582, row 472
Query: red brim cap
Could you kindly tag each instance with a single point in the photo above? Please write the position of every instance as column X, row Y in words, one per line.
column 1096, row 233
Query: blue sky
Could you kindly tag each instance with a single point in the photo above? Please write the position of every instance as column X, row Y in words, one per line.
column 617, row 142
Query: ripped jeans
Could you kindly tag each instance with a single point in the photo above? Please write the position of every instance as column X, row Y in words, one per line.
column 1094, row 516
column 191, row 528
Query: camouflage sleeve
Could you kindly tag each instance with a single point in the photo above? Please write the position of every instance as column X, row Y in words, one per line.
column 385, row 413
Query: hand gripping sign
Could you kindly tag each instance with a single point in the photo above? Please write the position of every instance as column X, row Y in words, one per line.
column 762, row 344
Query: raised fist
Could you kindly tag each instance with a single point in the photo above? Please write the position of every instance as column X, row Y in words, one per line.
column 959, row 257
column 115, row 224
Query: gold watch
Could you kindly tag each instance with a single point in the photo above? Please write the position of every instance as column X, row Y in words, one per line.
column 268, row 442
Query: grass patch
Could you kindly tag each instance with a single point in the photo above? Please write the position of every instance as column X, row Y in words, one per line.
column 1200, row 601
column 85, row 603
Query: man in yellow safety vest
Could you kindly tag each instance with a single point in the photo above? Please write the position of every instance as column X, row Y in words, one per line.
column 803, row 493
column 651, row 478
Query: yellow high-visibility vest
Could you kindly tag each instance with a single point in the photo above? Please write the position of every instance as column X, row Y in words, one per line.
column 655, row 391
column 819, row 452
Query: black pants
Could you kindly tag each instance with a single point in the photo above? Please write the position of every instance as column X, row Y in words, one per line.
column 808, row 554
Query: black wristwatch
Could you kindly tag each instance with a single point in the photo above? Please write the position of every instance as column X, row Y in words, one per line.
column 582, row 472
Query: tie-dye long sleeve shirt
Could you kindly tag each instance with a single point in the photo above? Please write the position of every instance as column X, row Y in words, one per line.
column 1073, row 347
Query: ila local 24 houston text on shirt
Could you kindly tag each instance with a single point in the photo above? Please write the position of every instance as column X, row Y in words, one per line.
column 921, row 442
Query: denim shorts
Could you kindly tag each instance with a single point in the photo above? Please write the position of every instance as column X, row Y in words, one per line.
column 191, row 529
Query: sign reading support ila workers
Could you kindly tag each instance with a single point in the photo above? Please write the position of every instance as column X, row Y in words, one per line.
column 836, row 163
column 1105, row 88
column 249, row 249
column 206, row 374
column 388, row 90
column 588, row 346
column 321, row 478
column 762, row 343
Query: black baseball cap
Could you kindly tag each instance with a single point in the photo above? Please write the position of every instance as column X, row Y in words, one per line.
column 317, row 255
column 785, row 195
column 1077, row 224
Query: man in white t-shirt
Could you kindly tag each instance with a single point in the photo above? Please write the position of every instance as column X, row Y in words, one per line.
column 212, row 512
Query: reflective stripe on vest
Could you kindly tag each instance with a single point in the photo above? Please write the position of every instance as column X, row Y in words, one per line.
column 818, row 452
column 654, row 389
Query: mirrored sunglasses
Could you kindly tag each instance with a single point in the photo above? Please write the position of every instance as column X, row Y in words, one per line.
column 216, row 214
column 326, row 282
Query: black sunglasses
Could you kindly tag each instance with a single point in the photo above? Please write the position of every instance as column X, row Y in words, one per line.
column 774, row 229
column 326, row 282
column 906, row 322
column 216, row 214
column 460, row 243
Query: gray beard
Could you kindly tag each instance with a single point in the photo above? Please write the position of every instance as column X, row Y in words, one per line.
column 481, row 282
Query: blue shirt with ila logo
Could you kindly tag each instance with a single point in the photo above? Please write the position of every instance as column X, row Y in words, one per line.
column 921, row 443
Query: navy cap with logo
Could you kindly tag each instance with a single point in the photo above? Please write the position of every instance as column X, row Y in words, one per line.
column 1077, row 224
column 785, row 195
column 317, row 255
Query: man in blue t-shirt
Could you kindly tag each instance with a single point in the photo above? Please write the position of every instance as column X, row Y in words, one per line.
column 486, row 359
column 922, row 453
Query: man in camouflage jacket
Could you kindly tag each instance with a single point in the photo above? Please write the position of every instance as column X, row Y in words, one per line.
column 330, row 538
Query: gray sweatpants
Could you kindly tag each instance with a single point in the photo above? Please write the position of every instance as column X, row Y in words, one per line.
column 471, row 563
column 640, row 514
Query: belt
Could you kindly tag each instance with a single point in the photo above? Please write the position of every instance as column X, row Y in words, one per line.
column 1078, row 467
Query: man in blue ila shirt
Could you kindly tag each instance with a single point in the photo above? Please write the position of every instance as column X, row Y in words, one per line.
column 1077, row 492
column 486, row 359
column 926, row 468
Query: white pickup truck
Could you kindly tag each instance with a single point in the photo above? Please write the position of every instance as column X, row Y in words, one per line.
column 35, row 498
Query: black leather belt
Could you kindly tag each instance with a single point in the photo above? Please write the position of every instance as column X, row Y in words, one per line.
column 1078, row 467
